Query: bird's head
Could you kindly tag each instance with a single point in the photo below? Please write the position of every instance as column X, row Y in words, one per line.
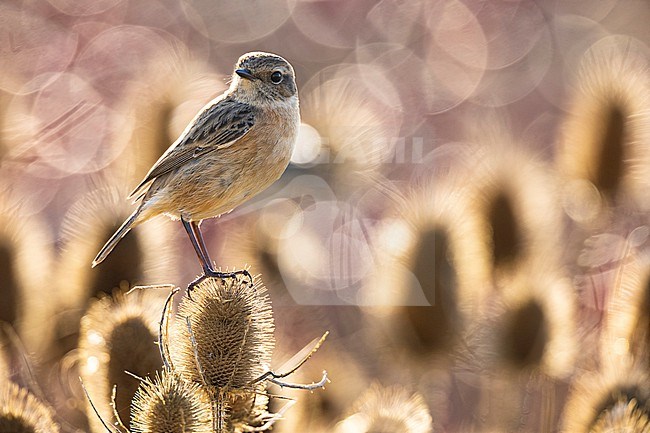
column 264, row 77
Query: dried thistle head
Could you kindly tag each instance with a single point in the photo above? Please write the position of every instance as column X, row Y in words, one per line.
column 609, row 401
column 222, row 336
column 117, row 335
column 245, row 408
column 603, row 148
column 388, row 410
column 169, row 404
column 21, row 412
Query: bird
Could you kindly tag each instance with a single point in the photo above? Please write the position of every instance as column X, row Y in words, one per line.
column 234, row 148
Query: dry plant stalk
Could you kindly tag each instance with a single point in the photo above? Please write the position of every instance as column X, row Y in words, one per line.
column 24, row 242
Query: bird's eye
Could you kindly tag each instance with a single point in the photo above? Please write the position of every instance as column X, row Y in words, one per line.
column 276, row 77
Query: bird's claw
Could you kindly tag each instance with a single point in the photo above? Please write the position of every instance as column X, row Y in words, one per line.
column 209, row 273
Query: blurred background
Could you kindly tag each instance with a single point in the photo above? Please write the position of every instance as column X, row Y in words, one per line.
column 466, row 209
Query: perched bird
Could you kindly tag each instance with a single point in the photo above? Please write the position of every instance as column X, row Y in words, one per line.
column 234, row 148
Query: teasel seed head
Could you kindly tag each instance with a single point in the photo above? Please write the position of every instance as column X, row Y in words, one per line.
column 609, row 401
column 388, row 410
column 623, row 417
column 604, row 142
column 169, row 404
column 537, row 328
column 514, row 198
column 245, row 408
column 355, row 125
column 144, row 254
column 21, row 412
column 223, row 335
column 25, row 267
column 430, row 274
column 118, row 335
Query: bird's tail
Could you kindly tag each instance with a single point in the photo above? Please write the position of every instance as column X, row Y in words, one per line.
column 117, row 236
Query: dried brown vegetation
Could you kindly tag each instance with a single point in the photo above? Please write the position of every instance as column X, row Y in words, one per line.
column 466, row 212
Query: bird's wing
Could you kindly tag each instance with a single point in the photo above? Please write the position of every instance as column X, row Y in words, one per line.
column 218, row 126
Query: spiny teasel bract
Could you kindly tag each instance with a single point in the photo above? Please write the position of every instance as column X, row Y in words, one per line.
column 388, row 410
column 626, row 330
column 514, row 197
column 21, row 412
column 604, row 141
column 430, row 271
column 616, row 398
column 26, row 269
column 157, row 107
column 118, row 335
column 169, row 404
column 222, row 338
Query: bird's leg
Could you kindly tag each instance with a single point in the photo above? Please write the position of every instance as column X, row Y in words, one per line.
column 195, row 243
column 194, row 232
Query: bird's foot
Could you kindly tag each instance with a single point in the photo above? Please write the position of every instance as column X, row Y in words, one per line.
column 210, row 273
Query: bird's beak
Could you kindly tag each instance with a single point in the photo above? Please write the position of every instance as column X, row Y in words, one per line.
column 245, row 73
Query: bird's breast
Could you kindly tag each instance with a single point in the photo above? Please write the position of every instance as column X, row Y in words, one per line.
column 219, row 181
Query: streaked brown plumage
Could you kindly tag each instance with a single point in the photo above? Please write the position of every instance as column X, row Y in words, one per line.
column 237, row 146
